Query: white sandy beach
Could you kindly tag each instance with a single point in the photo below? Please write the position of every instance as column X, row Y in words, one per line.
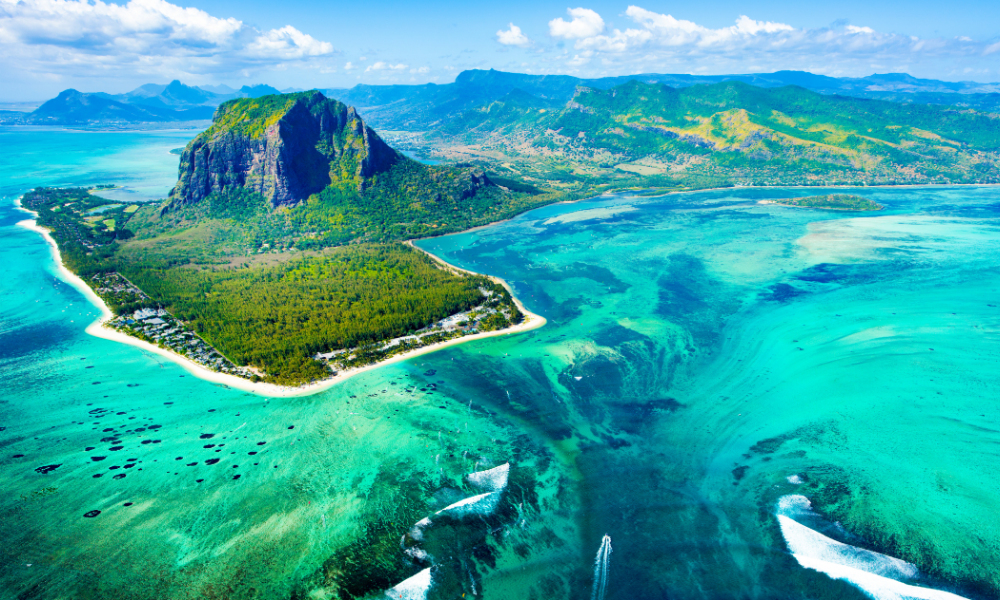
column 98, row 329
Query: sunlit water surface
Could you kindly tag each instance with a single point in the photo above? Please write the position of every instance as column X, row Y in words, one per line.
column 730, row 400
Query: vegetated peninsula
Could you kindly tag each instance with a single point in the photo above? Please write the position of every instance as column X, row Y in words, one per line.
column 832, row 202
column 277, row 255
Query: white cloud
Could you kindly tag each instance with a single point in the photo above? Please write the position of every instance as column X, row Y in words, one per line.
column 584, row 24
column 421, row 70
column 288, row 43
column 513, row 37
column 348, row 66
column 384, row 66
column 81, row 37
column 661, row 42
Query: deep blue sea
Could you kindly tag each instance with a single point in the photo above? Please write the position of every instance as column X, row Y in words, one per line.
column 730, row 399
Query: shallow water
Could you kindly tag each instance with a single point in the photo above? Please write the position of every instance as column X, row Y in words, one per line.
column 705, row 356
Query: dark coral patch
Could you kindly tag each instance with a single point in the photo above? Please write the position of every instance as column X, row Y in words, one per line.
column 119, row 476
column 45, row 470
column 91, row 514
column 207, row 436
column 211, row 461
column 97, row 458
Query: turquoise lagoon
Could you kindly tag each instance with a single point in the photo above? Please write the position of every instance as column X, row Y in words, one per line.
column 712, row 368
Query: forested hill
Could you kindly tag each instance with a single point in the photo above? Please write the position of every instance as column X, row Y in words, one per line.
column 739, row 133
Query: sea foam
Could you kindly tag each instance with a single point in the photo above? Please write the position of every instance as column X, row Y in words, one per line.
column 879, row 576
column 490, row 480
column 483, row 504
column 414, row 588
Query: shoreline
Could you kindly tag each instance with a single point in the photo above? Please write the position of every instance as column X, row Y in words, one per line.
column 531, row 320
column 98, row 329
column 529, row 317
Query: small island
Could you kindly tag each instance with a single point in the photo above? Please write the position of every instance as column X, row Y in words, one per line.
column 832, row 202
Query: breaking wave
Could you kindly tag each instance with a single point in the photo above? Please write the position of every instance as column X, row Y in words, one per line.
column 879, row 576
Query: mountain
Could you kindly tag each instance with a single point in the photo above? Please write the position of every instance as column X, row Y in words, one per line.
column 149, row 103
column 148, row 90
column 221, row 89
column 314, row 172
column 732, row 131
column 72, row 107
column 283, row 148
column 178, row 94
column 256, row 91
column 429, row 106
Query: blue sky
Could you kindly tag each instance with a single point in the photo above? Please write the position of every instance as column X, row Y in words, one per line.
column 50, row 45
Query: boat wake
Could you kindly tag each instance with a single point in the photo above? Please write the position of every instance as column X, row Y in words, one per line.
column 879, row 576
column 601, row 564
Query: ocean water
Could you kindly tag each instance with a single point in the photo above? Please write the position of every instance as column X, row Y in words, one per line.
column 707, row 358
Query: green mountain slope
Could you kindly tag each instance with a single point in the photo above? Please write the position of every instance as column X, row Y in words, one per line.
column 432, row 106
column 745, row 134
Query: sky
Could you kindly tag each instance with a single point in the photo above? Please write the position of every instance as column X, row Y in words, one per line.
column 47, row 46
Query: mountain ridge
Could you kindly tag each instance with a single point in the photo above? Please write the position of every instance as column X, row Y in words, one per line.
column 419, row 107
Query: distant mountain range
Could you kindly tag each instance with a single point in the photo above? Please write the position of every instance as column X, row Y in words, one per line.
column 431, row 106
column 150, row 103
column 731, row 131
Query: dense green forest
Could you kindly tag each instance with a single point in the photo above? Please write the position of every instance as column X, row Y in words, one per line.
column 271, row 314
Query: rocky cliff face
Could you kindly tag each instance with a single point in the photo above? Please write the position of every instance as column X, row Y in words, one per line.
column 282, row 147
